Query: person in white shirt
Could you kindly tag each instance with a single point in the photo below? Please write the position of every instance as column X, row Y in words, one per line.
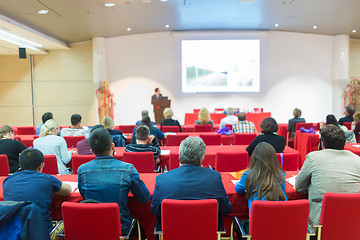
column 229, row 119
column 76, row 128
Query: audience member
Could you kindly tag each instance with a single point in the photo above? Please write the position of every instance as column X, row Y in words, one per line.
column 168, row 121
column 269, row 128
column 157, row 94
column 229, row 119
column 76, row 128
column 107, row 179
column 349, row 112
column 293, row 121
column 30, row 184
column 204, row 117
column 12, row 148
column 265, row 179
column 243, row 126
column 144, row 113
column 46, row 116
column 83, row 147
column 332, row 169
column 331, row 119
column 116, row 135
column 190, row 180
column 357, row 125
column 154, row 131
column 49, row 143
column 144, row 143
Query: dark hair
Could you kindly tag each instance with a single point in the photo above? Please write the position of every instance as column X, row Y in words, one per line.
column 331, row 119
column 147, row 122
column 350, row 109
column 75, row 119
column 30, row 159
column 266, row 177
column 333, row 137
column 156, row 89
column 241, row 116
column 269, row 125
column 100, row 141
column 142, row 132
column 96, row 127
column 46, row 116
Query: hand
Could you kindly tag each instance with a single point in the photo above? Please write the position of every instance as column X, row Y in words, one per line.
column 157, row 160
column 151, row 138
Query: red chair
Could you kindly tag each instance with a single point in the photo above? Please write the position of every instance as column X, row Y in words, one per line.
column 231, row 161
column 175, row 140
column 92, row 221
column 127, row 128
column 196, row 111
column 26, row 130
column 174, row 160
column 71, row 141
column 142, row 161
column 289, row 161
column 219, row 110
column 203, row 128
column 339, row 217
column 211, row 139
column 348, row 125
column 244, row 138
column 78, row 160
column 4, row 165
column 51, row 166
column 229, row 126
column 28, row 142
column 266, row 215
column 170, row 129
column 304, row 125
column 189, row 219
column 17, row 138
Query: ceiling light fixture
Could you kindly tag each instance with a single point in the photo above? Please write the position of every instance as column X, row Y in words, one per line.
column 167, row 25
column 276, row 25
column 163, row 0
column 354, row 31
column 109, row 4
column 128, row 29
column 18, row 40
column 43, row 11
column 315, row 27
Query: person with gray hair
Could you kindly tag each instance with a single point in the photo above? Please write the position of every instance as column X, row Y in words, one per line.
column 144, row 113
column 229, row 119
column 190, row 181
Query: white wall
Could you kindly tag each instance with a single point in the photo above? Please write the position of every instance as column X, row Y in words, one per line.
column 297, row 73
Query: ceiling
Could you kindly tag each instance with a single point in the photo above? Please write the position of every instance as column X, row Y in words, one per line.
column 71, row 21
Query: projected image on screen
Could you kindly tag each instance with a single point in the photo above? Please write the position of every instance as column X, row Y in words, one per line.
column 220, row 66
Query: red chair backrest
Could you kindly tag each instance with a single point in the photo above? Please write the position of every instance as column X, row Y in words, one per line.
column 304, row 125
column 344, row 206
column 229, row 126
column 203, row 128
column 26, row 130
column 290, row 161
column 170, row 129
column 4, row 165
column 348, row 125
column 175, row 140
column 51, row 166
column 196, row 110
column 142, row 161
column 174, row 160
column 126, row 128
column 189, row 219
column 91, row 220
column 293, row 216
column 17, row 138
column 78, row 160
column 211, row 139
column 231, row 161
column 244, row 138
column 71, row 141
column 216, row 117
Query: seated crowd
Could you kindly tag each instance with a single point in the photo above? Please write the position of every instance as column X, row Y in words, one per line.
column 106, row 179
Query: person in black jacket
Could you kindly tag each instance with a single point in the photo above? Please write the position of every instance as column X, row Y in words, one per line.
column 168, row 121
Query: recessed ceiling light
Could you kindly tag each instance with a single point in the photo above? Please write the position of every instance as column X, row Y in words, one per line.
column 354, row 31
column 167, row 25
column 276, row 25
column 315, row 27
column 128, row 29
column 109, row 4
column 163, row 0
column 43, row 11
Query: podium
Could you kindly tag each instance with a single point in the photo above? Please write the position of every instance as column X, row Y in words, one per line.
column 159, row 106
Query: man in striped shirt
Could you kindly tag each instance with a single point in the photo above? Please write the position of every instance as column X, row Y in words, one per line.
column 243, row 126
column 144, row 143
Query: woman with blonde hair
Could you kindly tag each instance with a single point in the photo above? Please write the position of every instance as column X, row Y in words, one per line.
column 12, row 148
column 204, row 117
column 117, row 136
column 168, row 121
column 51, row 144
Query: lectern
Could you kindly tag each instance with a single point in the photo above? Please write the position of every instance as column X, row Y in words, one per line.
column 159, row 106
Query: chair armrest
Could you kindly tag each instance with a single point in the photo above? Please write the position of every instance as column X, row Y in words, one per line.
column 127, row 236
column 243, row 233
column 210, row 166
column 158, row 232
column 314, row 227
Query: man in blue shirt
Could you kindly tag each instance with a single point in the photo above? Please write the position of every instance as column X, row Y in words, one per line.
column 30, row 184
column 107, row 179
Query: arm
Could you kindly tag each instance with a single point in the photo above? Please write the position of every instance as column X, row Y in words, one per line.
column 303, row 179
column 159, row 134
column 65, row 156
column 138, row 188
column 64, row 191
column 179, row 125
column 240, row 186
column 156, row 200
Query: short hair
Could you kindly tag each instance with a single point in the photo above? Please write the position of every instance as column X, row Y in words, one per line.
column 192, row 151
column 108, row 122
column 46, row 116
column 5, row 130
column 230, row 111
column 331, row 119
column 269, row 125
column 142, row 132
column 100, row 141
column 242, row 116
column 156, row 89
column 168, row 113
column 333, row 137
column 144, row 113
column 48, row 126
column 350, row 110
column 30, row 159
column 96, row 127
column 75, row 119
column 297, row 112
